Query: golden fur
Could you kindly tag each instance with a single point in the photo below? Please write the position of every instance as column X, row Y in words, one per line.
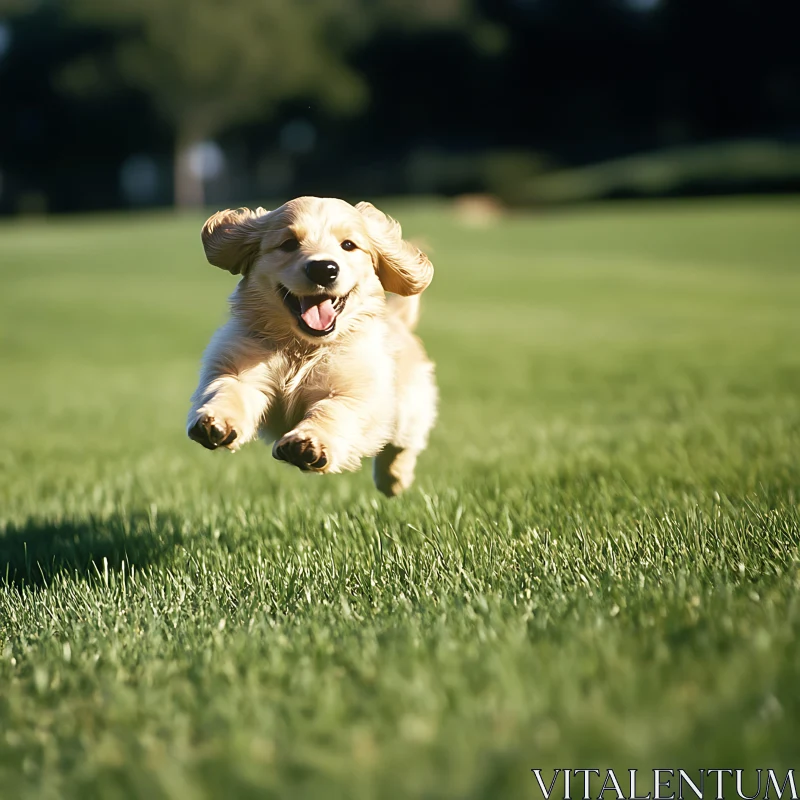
column 326, row 399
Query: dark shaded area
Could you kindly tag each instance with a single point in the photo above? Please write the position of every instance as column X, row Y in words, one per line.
column 35, row 553
column 572, row 82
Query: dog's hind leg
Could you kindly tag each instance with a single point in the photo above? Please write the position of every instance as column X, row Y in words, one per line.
column 393, row 468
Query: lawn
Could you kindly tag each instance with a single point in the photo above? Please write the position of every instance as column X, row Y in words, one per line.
column 599, row 565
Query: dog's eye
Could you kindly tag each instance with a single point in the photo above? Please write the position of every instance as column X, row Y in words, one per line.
column 289, row 246
column 348, row 245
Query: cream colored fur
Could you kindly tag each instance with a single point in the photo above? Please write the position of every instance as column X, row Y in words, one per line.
column 366, row 389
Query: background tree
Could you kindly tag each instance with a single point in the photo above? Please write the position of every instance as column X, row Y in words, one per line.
column 207, row 65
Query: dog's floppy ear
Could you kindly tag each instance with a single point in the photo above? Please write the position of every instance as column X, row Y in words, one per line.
column 402, row 268
column 231, row 238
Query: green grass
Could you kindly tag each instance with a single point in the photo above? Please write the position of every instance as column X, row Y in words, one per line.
column 598, row 566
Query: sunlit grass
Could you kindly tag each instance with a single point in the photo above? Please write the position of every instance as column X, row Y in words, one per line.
column 598, row 566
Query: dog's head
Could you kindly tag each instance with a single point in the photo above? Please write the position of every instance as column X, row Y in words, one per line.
column 315, row 266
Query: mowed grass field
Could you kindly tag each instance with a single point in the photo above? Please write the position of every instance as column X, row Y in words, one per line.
column 598, row 567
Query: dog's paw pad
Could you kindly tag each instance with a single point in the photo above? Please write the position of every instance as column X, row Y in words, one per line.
column 212, row 433
column 304, row 453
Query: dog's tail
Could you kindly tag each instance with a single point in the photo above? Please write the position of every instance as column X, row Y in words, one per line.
column 404, row 309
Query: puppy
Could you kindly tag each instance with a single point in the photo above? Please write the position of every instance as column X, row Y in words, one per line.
column 314, row 357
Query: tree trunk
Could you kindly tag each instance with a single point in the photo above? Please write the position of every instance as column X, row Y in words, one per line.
column 188, row 187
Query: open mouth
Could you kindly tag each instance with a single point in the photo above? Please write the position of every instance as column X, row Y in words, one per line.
column 316, row 313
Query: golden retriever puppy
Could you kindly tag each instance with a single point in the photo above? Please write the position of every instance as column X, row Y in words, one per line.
column 314, row 356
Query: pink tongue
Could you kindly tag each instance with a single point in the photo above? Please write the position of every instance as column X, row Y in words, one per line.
column 317, row 315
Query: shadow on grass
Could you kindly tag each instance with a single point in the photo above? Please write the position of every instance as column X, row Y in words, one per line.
column 35, row 553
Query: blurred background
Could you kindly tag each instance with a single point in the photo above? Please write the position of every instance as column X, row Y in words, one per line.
column 147, row 103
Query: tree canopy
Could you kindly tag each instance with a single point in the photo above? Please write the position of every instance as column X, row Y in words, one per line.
column 206, row 65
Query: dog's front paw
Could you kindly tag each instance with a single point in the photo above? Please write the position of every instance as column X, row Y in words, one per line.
column 302, row 450
column 212, row 432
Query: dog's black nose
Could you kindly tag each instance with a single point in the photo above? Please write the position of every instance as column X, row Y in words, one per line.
column 323, row 273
